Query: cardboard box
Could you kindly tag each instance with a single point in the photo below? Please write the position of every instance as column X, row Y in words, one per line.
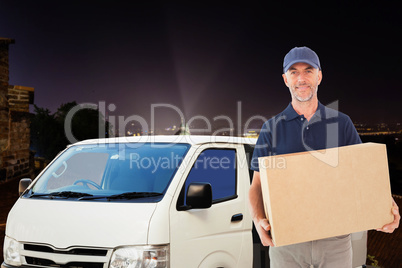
column 320, row 194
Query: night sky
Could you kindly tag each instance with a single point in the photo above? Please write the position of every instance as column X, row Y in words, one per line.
column 203, row 58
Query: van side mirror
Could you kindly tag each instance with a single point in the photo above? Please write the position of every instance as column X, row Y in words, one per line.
column 199, row 195
column 23, row 185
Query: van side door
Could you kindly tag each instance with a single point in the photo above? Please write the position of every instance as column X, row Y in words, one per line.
column 218, row 236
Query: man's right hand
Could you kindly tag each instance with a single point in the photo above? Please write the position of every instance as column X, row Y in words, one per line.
column 263, row 227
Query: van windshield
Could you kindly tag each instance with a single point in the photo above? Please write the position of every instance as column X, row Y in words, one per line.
column 118, row 171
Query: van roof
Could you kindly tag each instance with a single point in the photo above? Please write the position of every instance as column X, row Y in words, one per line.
column 189, row 139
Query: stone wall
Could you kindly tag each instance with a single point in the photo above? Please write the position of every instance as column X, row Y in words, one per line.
column 4, row 122
column 15, row 158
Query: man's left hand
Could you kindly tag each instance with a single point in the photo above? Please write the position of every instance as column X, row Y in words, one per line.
column 389, row 228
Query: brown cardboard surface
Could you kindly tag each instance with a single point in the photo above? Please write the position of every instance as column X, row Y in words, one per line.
column 320, row 194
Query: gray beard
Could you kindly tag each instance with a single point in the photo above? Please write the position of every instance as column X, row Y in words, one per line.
column 308, row 98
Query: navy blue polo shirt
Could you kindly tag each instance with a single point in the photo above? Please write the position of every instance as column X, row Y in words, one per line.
column 289, row 132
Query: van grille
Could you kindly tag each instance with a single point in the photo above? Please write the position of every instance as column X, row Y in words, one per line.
column 75, row 257
column 49, row 263
column 74, row 251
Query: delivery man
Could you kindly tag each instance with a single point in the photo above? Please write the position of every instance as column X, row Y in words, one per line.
column 304, row 125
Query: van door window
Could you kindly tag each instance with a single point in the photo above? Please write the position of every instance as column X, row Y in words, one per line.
column 218, row 168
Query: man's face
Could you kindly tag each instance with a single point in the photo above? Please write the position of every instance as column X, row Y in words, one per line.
column 302, row 80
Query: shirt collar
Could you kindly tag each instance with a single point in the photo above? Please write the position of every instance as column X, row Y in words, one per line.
column 289, row 113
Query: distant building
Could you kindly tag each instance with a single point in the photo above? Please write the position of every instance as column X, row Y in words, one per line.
column 252, row 133
column 15, row 157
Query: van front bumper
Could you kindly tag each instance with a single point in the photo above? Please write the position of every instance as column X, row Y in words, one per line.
column 4, row 265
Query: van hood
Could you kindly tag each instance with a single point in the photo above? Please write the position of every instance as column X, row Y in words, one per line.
column 63, row 224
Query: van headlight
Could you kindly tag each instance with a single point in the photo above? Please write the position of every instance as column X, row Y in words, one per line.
column 140, row 257
column 11, row 251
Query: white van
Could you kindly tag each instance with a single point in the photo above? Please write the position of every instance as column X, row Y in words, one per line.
column 154, row 201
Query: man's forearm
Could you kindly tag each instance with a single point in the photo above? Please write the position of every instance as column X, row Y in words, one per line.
column 255, row 198
column 256, row 205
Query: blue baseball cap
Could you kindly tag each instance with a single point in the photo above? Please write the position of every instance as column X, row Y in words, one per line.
column 301, row 54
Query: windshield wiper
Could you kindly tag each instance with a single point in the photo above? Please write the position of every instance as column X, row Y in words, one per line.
column 66, row 194
column 128, row 195
column 132, row 195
